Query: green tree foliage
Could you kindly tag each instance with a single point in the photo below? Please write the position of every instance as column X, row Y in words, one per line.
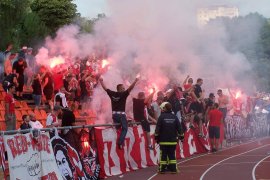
column 32, row 30
column 11, row 15
column 54, row 13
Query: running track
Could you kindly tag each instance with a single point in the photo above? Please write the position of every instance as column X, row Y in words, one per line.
column 247, row 161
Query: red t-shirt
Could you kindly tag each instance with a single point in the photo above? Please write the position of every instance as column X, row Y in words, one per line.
column 215, row 117
column 58, row 81
column 187, row 86
column 10, row 100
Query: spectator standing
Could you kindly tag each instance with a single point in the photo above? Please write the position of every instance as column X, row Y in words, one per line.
column 47, row 85
column 60, row 98
column 140, row 114
column 8, row 62
column 156, row 104
column 197, row 105
column 118, row 103
column 215, row 118
column 19, row 67
column 223, row 102
column 37, row 90
column 10, row 117
column 209, row 102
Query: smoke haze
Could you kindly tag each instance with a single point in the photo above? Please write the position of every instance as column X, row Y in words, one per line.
column 159, row 39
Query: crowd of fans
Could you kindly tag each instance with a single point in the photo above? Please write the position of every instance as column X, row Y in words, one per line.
column 57, row 87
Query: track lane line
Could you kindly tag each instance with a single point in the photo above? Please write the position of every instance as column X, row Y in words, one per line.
column 205, row 172
column 255, row 140
column 254, row 168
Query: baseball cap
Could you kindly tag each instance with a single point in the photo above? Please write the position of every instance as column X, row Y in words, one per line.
column 162, row 106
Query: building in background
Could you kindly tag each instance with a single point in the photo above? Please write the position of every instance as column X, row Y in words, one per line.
column 204, row 15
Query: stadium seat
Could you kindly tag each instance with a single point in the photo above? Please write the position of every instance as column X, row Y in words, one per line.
column 18, row 115
column 43, row 114
column 25, row 105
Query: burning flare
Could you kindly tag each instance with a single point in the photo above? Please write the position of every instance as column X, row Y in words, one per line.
column 238, row 94
column 104, row 63
column 56, row 61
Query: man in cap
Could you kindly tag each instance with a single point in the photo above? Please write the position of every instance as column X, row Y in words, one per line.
column 167, row 132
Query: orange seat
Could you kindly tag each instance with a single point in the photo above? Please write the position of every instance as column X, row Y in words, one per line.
column 25, row 105
column 43, row 114
column 2, row 114
column 24, row 112
column 18, row 104
column 2, row 107
column 18, row 115
column 38, row 115
column 1, row 97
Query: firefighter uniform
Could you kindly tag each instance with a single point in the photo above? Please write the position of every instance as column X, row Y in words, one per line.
column 168, row 129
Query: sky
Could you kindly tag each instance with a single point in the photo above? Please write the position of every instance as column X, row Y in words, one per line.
column 90, row 8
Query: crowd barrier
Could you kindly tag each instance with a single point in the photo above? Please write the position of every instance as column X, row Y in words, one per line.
column 239, row 127
column 91, row 152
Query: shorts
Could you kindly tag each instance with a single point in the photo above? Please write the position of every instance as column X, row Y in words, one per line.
column 196, row 107
column 145, row 125
column 214, row 132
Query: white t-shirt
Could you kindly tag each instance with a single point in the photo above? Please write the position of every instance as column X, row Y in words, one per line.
column 51, row 119
column 36, row 124
column 156, row 108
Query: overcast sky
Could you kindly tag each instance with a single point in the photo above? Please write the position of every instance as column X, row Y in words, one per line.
column 90, row 8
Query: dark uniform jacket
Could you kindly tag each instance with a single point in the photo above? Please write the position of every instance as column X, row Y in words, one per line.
column 168, row 129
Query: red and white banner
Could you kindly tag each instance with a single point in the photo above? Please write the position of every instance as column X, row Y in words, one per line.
column 135, row 154
column 31, row 158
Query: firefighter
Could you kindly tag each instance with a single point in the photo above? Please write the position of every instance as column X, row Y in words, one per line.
column 168, row 131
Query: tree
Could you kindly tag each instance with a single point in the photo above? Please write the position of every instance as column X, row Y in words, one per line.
column 55, row 13
column 32, row 30
column 11, row 14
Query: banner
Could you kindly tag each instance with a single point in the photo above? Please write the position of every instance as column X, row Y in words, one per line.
column 31, row 158
column 75, row 157
column 238, row 127
column 135, row 154
column 3, row 163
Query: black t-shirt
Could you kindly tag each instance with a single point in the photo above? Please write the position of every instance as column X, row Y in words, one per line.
column 49, row 85
column 197, row 90
column 208, row 103
column 19, row 68
column 9, row 78
column 68, row 117
column 36, row 87
column 118, row 100
column 138, row 109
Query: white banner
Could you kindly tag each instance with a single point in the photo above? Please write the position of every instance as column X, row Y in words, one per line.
column 31, row 158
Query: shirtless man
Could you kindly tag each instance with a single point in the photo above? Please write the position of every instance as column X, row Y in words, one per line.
column 223, row 101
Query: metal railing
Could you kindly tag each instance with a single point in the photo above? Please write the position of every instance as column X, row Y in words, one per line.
column 65, row 127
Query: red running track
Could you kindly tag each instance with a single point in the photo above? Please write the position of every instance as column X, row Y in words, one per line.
column 246, row 161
